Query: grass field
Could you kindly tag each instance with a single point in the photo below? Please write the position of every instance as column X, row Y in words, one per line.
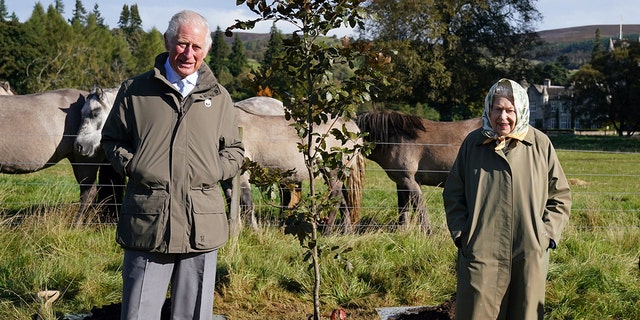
column 594, row 273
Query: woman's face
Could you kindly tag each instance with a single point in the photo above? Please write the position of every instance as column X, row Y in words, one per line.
column 503, row 116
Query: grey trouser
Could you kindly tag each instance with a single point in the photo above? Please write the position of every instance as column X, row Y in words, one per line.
column 146, row 277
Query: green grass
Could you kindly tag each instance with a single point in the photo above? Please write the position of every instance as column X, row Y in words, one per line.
column 593, row 274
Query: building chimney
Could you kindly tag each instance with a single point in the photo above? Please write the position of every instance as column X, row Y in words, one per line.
column 547, row 83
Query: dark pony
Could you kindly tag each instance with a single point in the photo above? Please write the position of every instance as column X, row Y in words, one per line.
column 414, row 151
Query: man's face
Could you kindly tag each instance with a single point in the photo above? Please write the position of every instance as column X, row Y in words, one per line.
column 503, row 116
column 188, row 49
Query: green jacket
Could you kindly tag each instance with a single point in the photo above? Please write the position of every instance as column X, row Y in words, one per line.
column 502, row 211
column 174, row 151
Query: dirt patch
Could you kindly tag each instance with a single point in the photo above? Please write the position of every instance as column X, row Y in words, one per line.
column 444, row 311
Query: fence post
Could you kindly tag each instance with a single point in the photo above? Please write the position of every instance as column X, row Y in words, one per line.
column 234, row 207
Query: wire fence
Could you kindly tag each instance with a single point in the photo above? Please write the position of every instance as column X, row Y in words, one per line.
column 597, row 195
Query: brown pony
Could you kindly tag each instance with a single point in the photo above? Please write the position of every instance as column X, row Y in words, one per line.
column 414, row 152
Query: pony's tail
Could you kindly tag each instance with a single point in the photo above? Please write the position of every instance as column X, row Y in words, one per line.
column 355, row 183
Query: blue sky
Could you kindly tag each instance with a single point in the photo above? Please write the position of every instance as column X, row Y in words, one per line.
column 156, row 13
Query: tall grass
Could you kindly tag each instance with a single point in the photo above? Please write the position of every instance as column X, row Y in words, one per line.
column 593, row 274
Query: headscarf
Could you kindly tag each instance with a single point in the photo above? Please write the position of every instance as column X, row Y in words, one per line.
column 521, row 104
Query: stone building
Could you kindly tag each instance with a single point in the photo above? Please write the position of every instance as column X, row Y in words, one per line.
column 550, row 107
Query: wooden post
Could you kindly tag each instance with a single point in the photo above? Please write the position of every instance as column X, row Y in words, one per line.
column 235, row 224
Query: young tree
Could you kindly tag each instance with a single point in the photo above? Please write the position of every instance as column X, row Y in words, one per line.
column 315, row 97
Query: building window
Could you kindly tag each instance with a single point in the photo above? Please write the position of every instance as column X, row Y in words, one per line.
column 552, row 123
column 565, row 122
column 532, row 106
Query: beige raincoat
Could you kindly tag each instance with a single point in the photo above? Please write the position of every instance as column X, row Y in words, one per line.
column 503, row 208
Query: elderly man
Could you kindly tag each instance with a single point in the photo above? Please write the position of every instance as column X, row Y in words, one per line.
column 172, row 131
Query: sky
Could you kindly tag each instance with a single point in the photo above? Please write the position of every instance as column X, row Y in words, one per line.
column 223, row 13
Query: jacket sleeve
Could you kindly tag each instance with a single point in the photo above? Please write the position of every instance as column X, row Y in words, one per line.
column 558, row 206
column 231, row 148
column 116, row 140
column 454, row 197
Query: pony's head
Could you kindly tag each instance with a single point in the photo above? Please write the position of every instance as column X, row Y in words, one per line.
column 93, row 115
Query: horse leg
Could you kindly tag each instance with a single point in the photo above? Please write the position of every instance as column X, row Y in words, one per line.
column 110, row 190
column 410, row 197
column 246, row 202
column 336, row 192
column 86, row 175
column 404, row 206
column 416, row 201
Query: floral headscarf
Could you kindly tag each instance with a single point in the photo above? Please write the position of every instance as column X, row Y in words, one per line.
column 521, row 104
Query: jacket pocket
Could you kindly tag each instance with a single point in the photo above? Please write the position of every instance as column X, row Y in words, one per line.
column 142, row 221
column 210, row 228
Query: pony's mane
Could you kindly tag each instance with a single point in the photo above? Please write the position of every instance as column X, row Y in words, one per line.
column 383, row 125
column 97, row 92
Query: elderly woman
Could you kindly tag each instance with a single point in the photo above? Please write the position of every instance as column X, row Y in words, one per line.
column 507, row 201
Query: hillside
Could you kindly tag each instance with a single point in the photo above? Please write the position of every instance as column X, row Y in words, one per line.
column 583, row 33
column 575, row 43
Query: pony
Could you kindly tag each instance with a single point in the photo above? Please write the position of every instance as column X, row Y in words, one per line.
column 38, row 130
column 270, row 141
column 414, row 151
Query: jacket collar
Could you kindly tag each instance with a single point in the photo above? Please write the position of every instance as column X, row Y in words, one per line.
column 479, row 138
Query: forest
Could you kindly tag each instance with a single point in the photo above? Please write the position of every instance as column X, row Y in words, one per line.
column 435, row 72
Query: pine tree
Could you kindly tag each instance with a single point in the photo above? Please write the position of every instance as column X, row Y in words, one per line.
column 238, row 59
column 219, row 54
column 59, row 5
column 3, row 11
column 123, row 22
column 99, row 18
column 598, row 47
column 79, row 14
column 135, row 22
column 274, row 48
